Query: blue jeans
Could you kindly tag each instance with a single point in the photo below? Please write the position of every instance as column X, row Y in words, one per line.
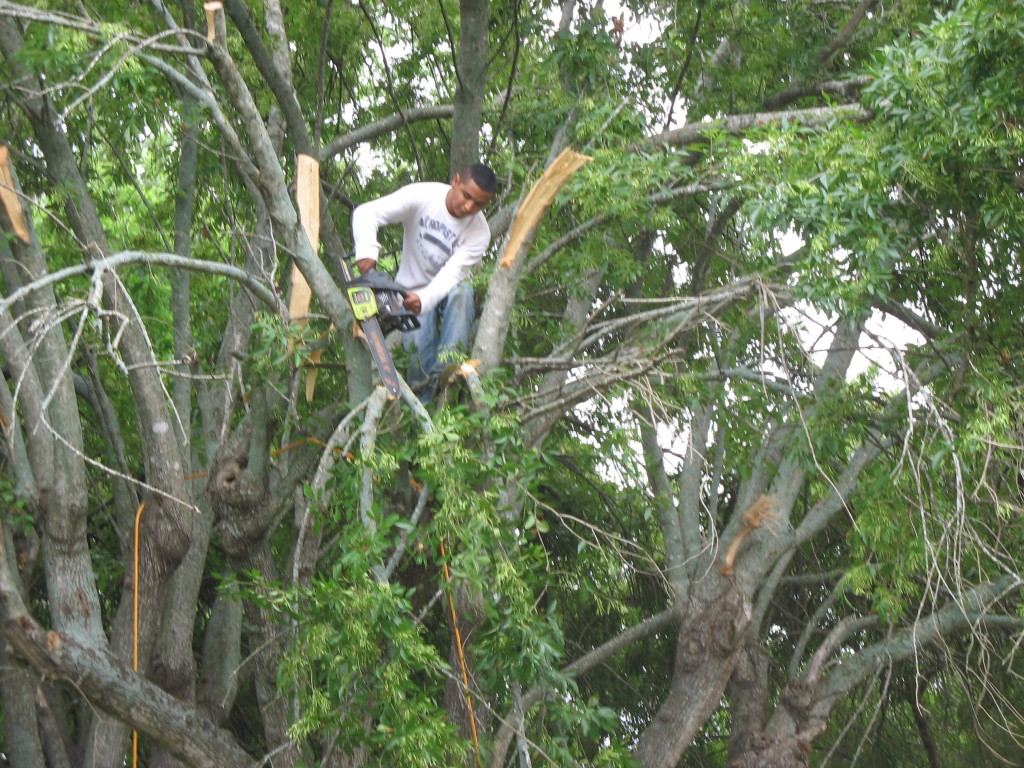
column 435, row 344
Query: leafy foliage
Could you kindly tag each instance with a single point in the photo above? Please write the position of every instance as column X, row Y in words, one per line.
column 581, row 513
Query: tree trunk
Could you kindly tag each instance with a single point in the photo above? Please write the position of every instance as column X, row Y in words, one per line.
column 22, row 742
column 465, row 709
column 748, row 697
column 239, row 488
column 221, row 660
column 708, row 647
column 472, row 84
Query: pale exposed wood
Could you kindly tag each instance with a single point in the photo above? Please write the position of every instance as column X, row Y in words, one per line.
column 212, row 9
column 539, row 199
column 755, row 517
column 9, row 197
column 307, row 195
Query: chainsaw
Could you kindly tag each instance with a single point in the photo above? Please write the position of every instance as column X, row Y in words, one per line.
column 376, row 301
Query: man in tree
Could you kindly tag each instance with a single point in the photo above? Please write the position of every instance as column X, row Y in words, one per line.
column 445, row 236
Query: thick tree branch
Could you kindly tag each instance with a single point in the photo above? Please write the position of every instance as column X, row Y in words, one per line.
column 113, row 688
column 384, row 126
column 275, row 73
column 962, row 613
column 271, row 181
column 677, row 549
column 737, row 124
column 847, row 33
column 471, row 83
column 847, row 89
column 168, row 521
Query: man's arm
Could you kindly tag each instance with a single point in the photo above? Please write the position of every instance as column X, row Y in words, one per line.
column 370, row 217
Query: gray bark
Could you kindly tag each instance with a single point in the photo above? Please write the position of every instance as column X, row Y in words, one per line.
column 492, row 331
column 472, row 81
column 736, row 124
column 805, row 705
column 174, row 666
column 23, row 738
column 239, row 487
column 220, row 675
column 708, row 647
column 111, row 689
column 120, row 694
column 748, row 696
column 719, row 608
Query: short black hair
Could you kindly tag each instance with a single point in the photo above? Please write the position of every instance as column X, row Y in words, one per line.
column 483, row 176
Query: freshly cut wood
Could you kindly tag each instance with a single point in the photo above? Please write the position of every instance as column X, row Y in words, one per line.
column 307, row 195
column 9, row 196
column 212, row 8
column 539, row 200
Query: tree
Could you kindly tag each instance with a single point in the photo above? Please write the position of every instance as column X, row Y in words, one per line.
column 655, row 525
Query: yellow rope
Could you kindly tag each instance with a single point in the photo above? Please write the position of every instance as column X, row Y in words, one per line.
column 135, row 624
column 462, row 660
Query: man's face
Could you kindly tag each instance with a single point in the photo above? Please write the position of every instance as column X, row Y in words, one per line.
column 465, row 198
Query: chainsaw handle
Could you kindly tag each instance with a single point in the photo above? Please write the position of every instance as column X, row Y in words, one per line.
column 379, row 281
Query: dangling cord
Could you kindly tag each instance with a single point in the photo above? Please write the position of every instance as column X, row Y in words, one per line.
column 462, row 658
column 135, row 624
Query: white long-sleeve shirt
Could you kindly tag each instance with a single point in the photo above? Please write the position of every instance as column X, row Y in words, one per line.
column 438, row 250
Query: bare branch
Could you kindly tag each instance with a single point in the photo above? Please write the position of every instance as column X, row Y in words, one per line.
column 340, row 440
column 56, row 18
column 266, row 295
column 844, row 629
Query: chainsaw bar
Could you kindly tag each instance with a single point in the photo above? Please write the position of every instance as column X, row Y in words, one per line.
column 381, row 355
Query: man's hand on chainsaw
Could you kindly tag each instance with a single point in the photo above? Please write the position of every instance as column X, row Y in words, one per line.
column 412, row 303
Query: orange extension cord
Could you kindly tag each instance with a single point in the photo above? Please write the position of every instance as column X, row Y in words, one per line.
column 462, row 660
column 135, row 624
